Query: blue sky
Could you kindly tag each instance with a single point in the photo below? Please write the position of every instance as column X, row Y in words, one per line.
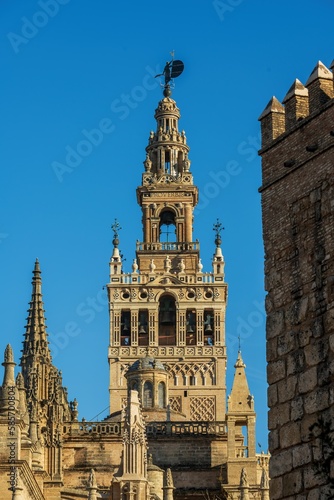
column 70, row 67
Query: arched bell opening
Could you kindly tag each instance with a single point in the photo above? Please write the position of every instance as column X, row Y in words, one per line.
column 209, row 327
column 191, row 327
column 125, row 328
column 167, row 227
column 167, row 320
column 143, row 327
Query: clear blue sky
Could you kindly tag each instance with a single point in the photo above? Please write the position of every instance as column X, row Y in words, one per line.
column 71, row 66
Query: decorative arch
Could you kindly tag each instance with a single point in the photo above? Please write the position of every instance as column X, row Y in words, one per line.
column 167, row 225
column 166, row 207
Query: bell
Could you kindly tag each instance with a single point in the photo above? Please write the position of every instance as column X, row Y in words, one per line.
column 141, row 330
column 167, row 218
column 125, row 328
column 166, row 318
column 208, row 328
column 190, row 329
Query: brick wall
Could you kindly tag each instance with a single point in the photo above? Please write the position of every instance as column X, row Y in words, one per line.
column 298, row 230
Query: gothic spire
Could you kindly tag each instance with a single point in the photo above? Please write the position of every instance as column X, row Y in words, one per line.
column 240, row 399
column 35, row 339
column 240, row 409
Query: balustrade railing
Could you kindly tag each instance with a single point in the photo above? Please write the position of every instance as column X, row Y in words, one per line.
column 137, row 278
column 152, row 428
column 93, row 428
column 185, row 428
column 168, row 246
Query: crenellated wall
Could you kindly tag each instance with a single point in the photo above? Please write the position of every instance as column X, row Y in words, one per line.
column 298, row 227
column 300, row 102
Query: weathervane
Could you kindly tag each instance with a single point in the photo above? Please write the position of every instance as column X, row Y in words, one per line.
column 218, row 228
column 116, row 227
column 172, row 69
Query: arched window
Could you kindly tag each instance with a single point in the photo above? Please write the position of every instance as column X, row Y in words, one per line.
column 148, row 395
column 161, row 395
column 167, row 227
column 167, row 320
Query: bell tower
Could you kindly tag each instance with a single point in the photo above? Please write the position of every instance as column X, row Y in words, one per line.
column 168, row 309
column 167, row 195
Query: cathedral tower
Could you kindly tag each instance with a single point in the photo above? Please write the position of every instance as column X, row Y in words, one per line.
column 167, row 307
column 168, row 434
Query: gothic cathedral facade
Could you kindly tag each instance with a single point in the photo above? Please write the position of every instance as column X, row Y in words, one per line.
column 171, row 432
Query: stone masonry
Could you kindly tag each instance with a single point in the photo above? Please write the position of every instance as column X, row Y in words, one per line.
column 298, row 230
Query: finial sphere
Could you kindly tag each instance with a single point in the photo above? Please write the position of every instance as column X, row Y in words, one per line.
column 167, row 91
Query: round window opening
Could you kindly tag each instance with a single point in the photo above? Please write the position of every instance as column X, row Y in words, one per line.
column 126, row 295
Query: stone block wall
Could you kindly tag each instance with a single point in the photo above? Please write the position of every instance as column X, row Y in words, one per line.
column 298, row 231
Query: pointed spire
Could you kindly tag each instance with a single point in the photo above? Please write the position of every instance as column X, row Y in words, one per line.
column 8, row 389
column 168, row 485
column 36, row 338
column 9, row 356
column 9, row 377
column 241, row 409
column 240, row 400
column 239, row 362
column 169, row 478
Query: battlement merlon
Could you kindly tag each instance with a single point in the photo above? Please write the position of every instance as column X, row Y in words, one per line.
column 299, row 103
